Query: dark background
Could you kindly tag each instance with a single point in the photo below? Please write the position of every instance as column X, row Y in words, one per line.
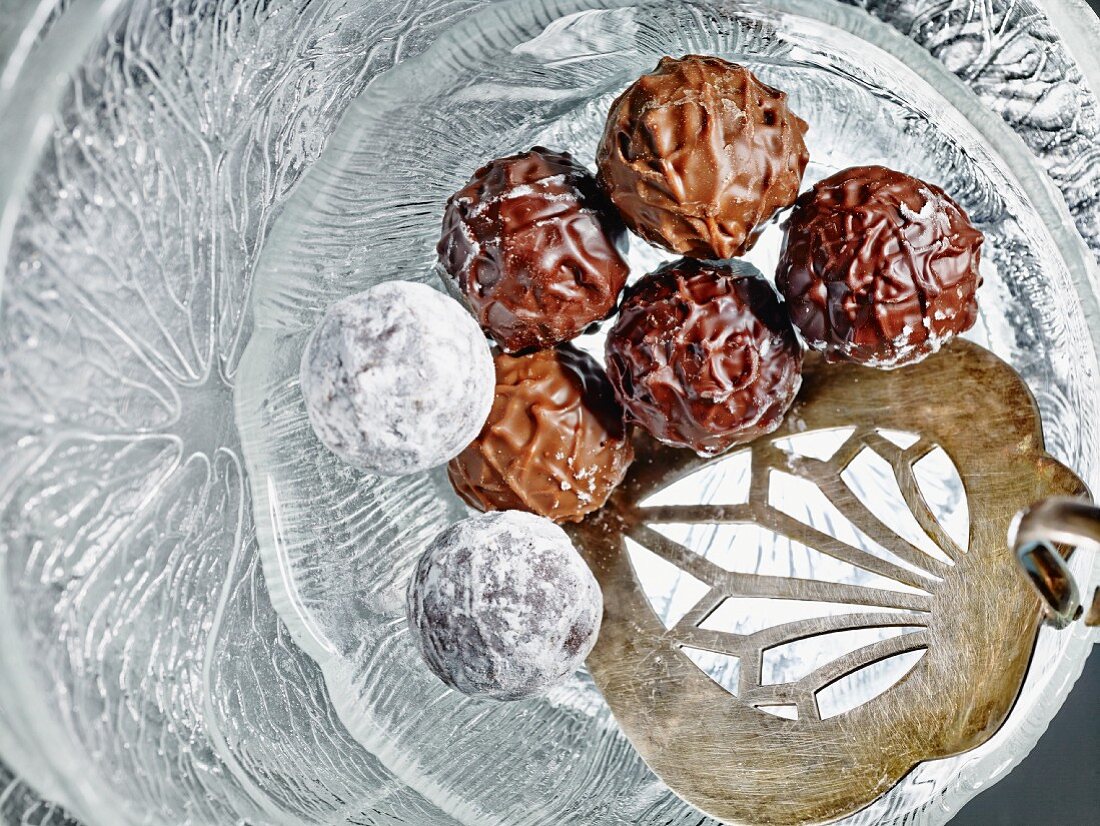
column 1059, row 782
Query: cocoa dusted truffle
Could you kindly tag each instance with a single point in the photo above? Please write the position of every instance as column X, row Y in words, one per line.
column 555, row 443
column 502, row 606
column 699, row 153
column 703, row 355
column 879, row 268
column 535, row 247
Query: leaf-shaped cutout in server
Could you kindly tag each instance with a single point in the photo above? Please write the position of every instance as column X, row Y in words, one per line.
column 957, row 629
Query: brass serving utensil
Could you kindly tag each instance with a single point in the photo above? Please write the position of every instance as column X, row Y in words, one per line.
column 975, row 617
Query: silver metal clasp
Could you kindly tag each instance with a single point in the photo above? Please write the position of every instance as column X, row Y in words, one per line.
column 1034, row 535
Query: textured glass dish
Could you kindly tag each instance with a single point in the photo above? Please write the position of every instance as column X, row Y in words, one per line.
column 544, row 73
column 151, row 284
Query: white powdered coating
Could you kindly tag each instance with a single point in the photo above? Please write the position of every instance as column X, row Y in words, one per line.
column 397, row 379
column 933, row 213
column 502, row 606
column 905, row 344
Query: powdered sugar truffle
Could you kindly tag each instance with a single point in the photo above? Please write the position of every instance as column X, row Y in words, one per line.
column 502, row 606
column 397, row 379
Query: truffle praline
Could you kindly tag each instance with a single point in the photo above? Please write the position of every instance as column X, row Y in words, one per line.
column 502, row 606
column 535, row 248
column 879, row 267
column 703, row 355
column 554, row 444
column 699, row 154
column 397, row 379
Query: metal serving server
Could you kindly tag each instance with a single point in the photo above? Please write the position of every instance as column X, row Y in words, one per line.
column 969, row 610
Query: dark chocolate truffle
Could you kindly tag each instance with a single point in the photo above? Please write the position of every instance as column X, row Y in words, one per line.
column 699, row 153
column 555, row 443
column 879, row 267
column 703, row 355
column 535, row 247
column 502, row 606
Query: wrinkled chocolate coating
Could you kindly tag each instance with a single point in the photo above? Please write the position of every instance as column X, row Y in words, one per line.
column 703, row 355
column 879, row 267
column 555, row 443
column 535, row 247
column 699, row 153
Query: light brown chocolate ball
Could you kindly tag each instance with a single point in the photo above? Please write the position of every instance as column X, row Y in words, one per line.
column 555, row 443
column 699, row 153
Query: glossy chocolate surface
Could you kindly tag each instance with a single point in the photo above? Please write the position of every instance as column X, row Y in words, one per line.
column 534, row 246
column 699, row 153
column 555, row 443
column 703, row 356
column 879, row 267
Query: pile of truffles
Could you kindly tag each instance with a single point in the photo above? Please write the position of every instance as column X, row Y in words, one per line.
column 697, row 157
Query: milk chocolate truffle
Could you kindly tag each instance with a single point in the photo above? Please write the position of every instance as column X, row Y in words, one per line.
column 703, row 355
column 555, row 443
column 879, row 268
column 535, row 247
column 502, row 606
column 699, row 154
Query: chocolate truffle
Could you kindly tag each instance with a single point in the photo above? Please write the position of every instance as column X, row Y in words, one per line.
column 534, row 246
column 502, row 606
column 879, row 267
column 699, row 153
column 555, row 443
column 397, row 379
column 703, row 355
